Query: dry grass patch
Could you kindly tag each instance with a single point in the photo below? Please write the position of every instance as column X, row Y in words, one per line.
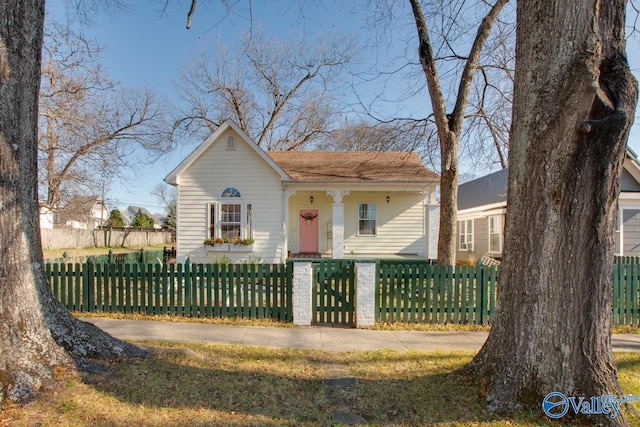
column 446, row 327
column 206, row 384
column 205, row 320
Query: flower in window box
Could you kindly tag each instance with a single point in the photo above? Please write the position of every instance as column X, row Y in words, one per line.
column 215, row 241
column 244, row 242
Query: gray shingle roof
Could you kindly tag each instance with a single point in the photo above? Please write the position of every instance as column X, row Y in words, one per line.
column 485, row 190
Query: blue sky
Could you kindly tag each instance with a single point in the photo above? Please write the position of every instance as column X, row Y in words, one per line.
column 146, row 47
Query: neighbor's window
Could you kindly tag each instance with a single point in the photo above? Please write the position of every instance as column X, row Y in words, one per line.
column 495, row 233
column 367, row 219
column 465, row 228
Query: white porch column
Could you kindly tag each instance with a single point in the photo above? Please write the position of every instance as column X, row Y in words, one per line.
column 432, row 225
column 286, row 193
column 337, row 231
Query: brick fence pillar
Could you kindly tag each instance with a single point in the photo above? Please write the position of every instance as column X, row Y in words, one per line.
column 365, row 294
column 302, row 286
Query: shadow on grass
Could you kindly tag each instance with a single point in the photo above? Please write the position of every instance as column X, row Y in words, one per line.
column 627, row 361
column 247, row 386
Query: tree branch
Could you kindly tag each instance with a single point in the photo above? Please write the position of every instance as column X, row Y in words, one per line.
column 428, row 62
column 470, row 66
column 191, row 12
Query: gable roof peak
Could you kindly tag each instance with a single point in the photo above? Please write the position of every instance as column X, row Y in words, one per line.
column 172, row 177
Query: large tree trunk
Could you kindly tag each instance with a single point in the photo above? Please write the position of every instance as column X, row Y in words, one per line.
column 34, row 327
column 574, row 101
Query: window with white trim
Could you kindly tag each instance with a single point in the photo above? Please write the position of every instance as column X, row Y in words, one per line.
column 465, row 233
column 495, row 234
column 230, row 218
column 367, row 219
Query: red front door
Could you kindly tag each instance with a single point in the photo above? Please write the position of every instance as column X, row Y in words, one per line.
column 308, row 226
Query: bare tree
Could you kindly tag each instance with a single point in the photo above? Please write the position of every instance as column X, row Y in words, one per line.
column 36, row 329
column 361, row 135
column 89, row 123
column 276, row 92
column 574, row 102
column 488, row 118
column 450, row 125
column 167, row 196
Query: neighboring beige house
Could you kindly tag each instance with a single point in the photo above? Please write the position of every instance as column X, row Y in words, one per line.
column 84, row 212
column 482, row 205
column 301, row 203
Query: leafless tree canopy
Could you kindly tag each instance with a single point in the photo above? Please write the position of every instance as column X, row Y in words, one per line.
column 277, row 92
column 89, row 126
column 452, row 27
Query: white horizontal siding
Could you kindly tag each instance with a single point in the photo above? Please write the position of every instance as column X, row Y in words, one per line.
column 480, row 239
column 203, row 182
column 399, row 224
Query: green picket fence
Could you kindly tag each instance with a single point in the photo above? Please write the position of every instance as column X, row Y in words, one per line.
column 626, row 283
column 626, row 259
column 415, row 293
column 333, row 292
column 423, row 293
column 467, row 294
column 191, row 290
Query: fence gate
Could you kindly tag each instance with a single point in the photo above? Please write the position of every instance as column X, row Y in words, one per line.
column 333, row 293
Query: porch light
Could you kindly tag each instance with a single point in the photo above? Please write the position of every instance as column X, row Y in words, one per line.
column 388, row 198
column 311, row 199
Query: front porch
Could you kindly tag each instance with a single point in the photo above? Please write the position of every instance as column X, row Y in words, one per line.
column 360, row 223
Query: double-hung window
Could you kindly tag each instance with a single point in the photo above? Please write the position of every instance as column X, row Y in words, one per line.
column 465, row 230
column 495, row 234
column 367, row 219
column 230, row 220
column 230, row 217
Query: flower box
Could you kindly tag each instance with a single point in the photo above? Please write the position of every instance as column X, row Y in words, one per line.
column 240, row 248
column 218, row 247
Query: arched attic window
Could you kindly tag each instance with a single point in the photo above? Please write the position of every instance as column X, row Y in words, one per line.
column 231, row 192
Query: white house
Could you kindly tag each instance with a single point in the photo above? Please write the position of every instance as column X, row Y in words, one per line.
column 84, row 212
column 482, row 206
column 301, row 203
column 47, row 215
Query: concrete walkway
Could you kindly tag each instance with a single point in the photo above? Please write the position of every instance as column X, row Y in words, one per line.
column 314, row 337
